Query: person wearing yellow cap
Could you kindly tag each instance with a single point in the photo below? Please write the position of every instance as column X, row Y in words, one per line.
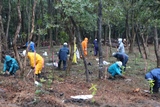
column 36, row 62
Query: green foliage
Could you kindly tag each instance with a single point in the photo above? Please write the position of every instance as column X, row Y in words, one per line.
column 151, row 84
column 37, row 92
column 49, row 81
column 42, row 80
column 63, row 37
column 93, row 89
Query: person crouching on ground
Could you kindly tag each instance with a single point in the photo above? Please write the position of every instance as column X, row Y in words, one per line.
column 36, row 62
column 153, row 78
column 115, row 69
column 10, row 65
column 63, row 56
column 121, row 57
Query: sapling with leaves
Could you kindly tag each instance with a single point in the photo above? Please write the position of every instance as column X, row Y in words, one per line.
column 93, row 89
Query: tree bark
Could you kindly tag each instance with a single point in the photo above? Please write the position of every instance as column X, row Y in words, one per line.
column 1, row 30
column 79, row 44
column 156, row 46
column 31, row 33
column 101, row 73
column 50, row 12
column 8, row 23
column 109, row 37
column 16, row 35
column 71, row 43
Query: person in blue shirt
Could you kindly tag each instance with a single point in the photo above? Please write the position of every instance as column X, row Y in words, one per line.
column 120, row 48
column 10, row 65
column 31, row 46
column 154, row 75
column 121, row 57
column 63, row 56
column 95, row 43
column 115, row 69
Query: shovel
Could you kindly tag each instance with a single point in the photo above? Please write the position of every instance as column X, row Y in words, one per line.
column 29, row 72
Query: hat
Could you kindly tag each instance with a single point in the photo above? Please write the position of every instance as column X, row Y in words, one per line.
column 119, row 63
column 24, row 52
column 119, row 39
column 65, row 43
column 114, row 53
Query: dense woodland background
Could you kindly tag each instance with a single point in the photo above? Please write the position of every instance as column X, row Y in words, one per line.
column 53, row 22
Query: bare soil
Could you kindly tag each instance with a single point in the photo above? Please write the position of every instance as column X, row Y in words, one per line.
column 56, row 89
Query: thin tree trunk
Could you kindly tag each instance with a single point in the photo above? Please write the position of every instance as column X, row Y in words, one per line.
column 139, row 48
column 109, row 36
column 104, row 27
column 29, row 19
column 101, row 73
column 50, row 8
column 79, row 44
column 1, row 30
column 31, row 33
column 16, row 35
column 156, row 46
column 8, row 22
column 71, row 42
column 144, row 47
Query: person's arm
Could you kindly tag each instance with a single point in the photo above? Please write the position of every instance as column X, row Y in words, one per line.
column 118, row 71
column 11, row 67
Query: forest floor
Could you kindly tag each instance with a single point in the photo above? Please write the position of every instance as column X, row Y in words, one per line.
column 56, row 89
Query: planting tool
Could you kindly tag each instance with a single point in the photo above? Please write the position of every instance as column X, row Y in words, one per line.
column 29, row 72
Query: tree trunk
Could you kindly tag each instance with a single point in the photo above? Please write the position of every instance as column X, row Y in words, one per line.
column 79, row 44
column 31, row 33
column 101, row 73
column 127, row 29
column 71, row 42
column 29, row 19
column 16, row 35
column 109, row 37
column 104, row 27
column 1, row 30
column 156, row 46
column 144, row 46
column 50, row 8
column 7, row 29
column 139, row 48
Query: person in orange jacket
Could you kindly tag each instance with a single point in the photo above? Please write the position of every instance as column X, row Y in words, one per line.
column 36, row 62
column 84, row 46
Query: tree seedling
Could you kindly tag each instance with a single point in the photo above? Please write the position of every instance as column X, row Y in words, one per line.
column 151, row 84
column 93, row 89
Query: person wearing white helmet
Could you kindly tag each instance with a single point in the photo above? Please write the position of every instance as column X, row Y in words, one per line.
column 63, row 56
column 120, row 48
column 115, row 69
